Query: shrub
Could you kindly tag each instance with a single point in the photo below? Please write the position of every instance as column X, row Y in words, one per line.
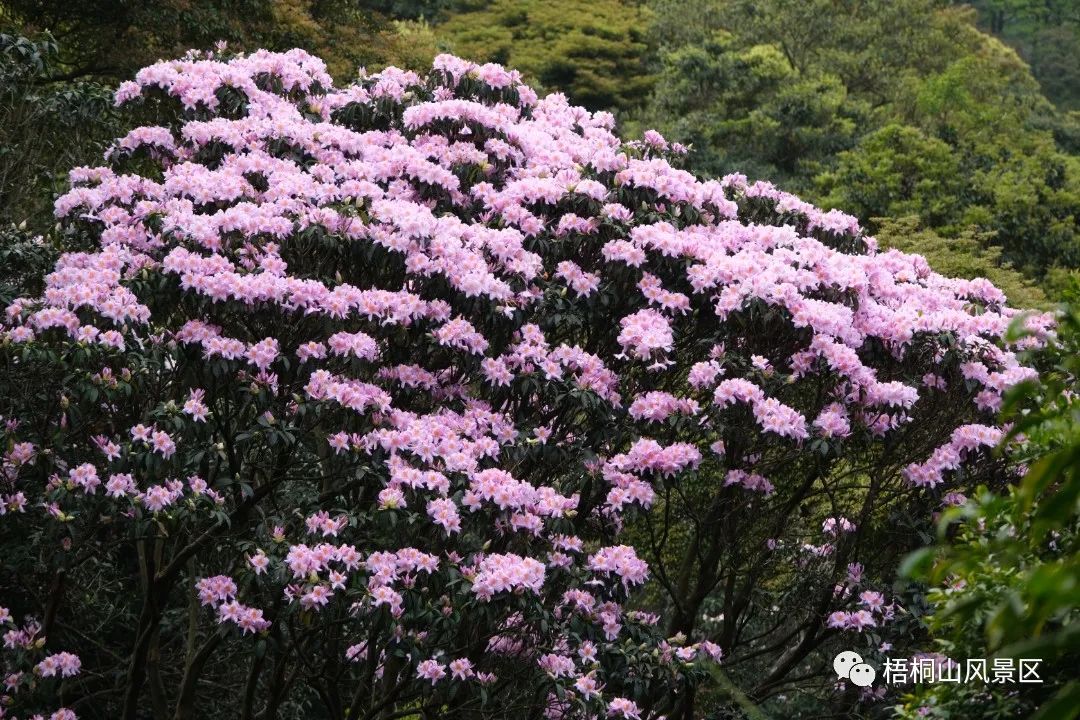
column 348, row 403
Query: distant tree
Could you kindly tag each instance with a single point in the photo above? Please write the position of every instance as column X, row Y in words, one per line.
column 871, row 45
column 1046, row 33
column 896, row 171
column 45, row 128
column 885, row 108
column 778, row 89
column 596, row 52
column 412, row 9
column 748, row 109
column 111, row 40
column 1021, row 185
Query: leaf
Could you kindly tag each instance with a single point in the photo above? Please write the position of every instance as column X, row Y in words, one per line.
column 1063, row 706
column 918, row 563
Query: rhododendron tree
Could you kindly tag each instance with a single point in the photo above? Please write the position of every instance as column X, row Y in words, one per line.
column 427, row 397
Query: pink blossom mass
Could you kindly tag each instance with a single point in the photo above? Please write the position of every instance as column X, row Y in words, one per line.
column 407, row 359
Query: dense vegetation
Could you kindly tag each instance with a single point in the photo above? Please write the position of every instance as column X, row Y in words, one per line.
column 948, row 129
column 959, row 116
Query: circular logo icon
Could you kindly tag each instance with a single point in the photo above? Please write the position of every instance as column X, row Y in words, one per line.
column 862, row 675
column 846, row 660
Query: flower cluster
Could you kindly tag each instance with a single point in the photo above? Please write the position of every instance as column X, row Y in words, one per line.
column 22, row 674
column 219, row 592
